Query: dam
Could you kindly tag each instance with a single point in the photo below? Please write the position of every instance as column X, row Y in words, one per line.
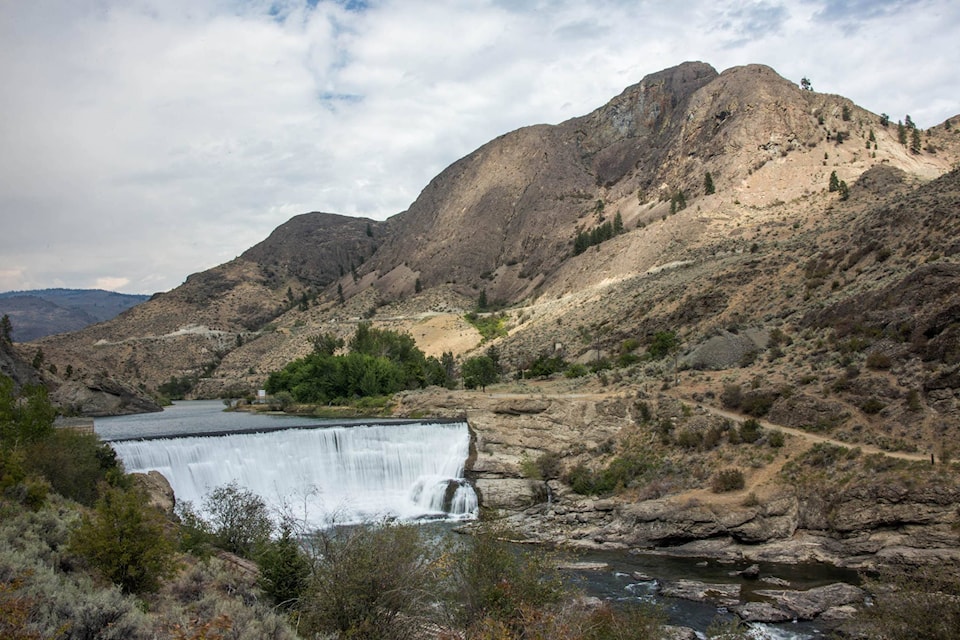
column 322, row 476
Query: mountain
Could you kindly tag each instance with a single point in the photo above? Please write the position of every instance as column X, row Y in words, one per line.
column 772, row 278
column 43, row 312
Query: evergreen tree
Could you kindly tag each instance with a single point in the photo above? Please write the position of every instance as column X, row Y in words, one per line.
column 884, row 120
column 805, row 84
column 6, row 329
column 708, row 187
column 369, row 230
column 482, row 300
column 839, row 137
column 340, row 293
column 845, row 113
column 915, row 143
column 617, row 224
column 909, row 122
column 901, row 133
column 843, row 190
column 834, row 182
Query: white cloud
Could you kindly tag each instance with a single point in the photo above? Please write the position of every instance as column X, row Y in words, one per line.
column 147, row 140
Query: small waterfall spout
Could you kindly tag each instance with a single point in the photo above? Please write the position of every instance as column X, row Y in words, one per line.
column 323, row 476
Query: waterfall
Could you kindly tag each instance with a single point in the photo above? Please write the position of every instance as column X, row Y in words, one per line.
column 323, row 476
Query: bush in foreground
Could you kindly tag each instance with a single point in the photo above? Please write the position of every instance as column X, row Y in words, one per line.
column 126, row 541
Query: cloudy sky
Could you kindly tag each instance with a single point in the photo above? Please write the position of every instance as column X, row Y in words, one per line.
column 144, row 140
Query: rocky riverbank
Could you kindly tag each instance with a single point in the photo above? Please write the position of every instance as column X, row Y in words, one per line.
column 797, row 505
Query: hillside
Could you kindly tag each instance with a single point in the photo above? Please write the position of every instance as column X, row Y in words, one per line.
column 44, row 312
column 771, row 250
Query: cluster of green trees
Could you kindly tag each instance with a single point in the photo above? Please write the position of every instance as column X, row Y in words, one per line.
column 379, row 362
column 36, row 458
column 839, row 186
column 600, row 233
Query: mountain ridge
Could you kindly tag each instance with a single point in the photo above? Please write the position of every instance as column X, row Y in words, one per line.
column 503, row 220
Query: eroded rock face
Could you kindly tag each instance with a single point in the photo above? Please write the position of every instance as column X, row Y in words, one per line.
column 102, row 396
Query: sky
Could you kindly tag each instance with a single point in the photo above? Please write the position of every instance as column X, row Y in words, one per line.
column 145, row 140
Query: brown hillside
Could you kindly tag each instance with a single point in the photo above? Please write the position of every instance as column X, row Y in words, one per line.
column 772, row 249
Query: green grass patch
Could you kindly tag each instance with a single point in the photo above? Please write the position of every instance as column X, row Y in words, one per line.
column 490, row 326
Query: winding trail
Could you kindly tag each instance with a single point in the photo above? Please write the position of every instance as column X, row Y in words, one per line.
column 764, row 475
column 806, row 435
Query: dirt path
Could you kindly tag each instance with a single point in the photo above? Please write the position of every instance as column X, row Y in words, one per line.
column 813, row 437
column 757, row 480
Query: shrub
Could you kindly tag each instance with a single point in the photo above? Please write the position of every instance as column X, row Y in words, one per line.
column 690, row 439
column 775, row 439
column 727, row 480
column 872, row 406
column 575, row 370
column 125, row 539
column 757, row 403
column 731, row 396
column 912, row 603
column 750, row 430
column 549, row 465
column 239, row 519
column 878, row 360
column 369, row 583
column 75, row 463
column 491, row 585
column 662, row 344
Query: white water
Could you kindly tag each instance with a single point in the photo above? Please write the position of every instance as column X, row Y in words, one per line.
column 323, row 476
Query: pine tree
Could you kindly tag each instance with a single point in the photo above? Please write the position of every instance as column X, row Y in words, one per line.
column 617, row 224
column 843, row 190
column 708, row 187
column 901, row 133
column 915, row 143
column 834, row 182
column 482, row 300
column 340, row 293
column 6, row 329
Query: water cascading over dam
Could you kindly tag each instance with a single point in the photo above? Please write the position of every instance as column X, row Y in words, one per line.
column 323, row 476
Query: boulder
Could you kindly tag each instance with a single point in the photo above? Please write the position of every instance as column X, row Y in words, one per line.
column 809, row 604
column 159, row 492
column 510, row 493
column 671, row 632
column 761, row 612
column 723, row 594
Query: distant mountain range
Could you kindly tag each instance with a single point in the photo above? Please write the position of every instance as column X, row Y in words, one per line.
column 44, row 312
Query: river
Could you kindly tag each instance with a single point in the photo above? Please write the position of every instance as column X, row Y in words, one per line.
column 361, row 471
